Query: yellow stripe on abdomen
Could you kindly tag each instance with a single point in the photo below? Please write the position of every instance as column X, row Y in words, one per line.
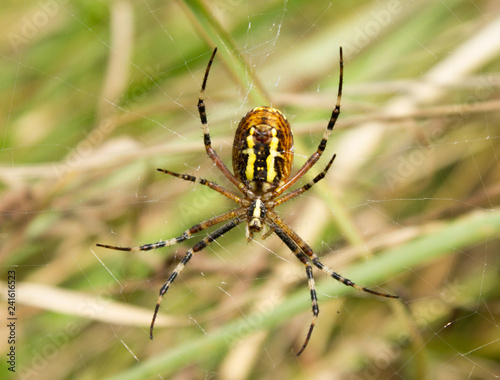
column 273, row 153
column 249, row 170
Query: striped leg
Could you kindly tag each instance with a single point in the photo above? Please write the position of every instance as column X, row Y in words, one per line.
column 312, row 288
column 307, row 186
column 206, row 133
column 315, row 260
column 185, row 235
column 280, row 223
column 344, row 280
column 189, row 254
column 322, row 145
column 214, row 186
column 300, row 248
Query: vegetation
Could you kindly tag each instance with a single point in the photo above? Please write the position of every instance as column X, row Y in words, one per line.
column 95, row 96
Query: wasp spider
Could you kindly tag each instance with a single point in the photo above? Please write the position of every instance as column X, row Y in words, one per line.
column 262, row 162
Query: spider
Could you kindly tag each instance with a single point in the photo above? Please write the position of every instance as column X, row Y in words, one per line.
column 262, row 161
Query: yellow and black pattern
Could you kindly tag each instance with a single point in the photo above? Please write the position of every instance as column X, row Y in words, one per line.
column 263, row 149
column 262, row 162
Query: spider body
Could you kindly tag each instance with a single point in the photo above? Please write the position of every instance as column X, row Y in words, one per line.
column 263, row 150
column 262, row 162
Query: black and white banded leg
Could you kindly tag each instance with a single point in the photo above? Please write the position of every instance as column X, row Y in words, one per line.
column 307, row 186
column 314, row 258
column 310, row 280
column 322, row 144
column 300, row 247
column 189, row 254
column 185, row 235
column 206, row 133
column 214, row 186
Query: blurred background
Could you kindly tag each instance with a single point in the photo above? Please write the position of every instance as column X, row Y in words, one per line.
column 95, row 96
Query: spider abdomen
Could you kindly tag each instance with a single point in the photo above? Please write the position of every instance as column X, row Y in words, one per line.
column 263, row 149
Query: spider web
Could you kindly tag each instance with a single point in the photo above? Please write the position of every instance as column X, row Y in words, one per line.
column 97, row 96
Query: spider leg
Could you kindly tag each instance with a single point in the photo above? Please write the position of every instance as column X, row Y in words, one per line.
column 314, row 258
column 322, row 145
column 206, row 134
column 185, row 235
column 346, row 281
column 307, row 186
column 300, row 248
column 310, row 279
column 214, row 186
column 189, row 254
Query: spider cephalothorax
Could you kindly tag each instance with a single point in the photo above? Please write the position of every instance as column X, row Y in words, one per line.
column 262, row 163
